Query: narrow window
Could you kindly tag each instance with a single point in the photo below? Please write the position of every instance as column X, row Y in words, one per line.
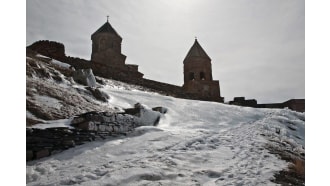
column 191, row 76
column 202, row 75
column 102, row 44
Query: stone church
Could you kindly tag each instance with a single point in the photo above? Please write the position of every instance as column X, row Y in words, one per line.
column 198, row 80
column 106, row 56
column 108, row 61
column 197, row 70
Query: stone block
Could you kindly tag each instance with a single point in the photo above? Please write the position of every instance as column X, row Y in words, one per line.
column 77, row 120
column 101, row 128
column 29, row 155
column 100, row 95
column 84, row 77
column 115, row 129
column 41, row 153
column 88, row 125
column 108, row 128
column 106, row 119
column 161, row 110
column 68, row 143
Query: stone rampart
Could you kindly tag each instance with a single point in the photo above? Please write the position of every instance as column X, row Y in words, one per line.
column 293, row 104
column 126, row 73
column 49, row 48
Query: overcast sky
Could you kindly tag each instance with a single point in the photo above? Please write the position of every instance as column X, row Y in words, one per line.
column 257, row 47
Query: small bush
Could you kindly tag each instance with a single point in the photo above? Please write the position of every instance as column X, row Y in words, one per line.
column 298, row 167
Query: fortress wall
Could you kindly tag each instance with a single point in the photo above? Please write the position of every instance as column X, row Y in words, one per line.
column 126, row 73
column 49, row 48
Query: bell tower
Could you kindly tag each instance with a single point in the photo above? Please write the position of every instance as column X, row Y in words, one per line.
column 197, row 70
column 106, row 46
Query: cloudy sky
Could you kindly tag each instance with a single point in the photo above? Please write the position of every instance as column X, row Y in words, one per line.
column 257, row 47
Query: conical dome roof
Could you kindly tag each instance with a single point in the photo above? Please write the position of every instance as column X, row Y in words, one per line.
column 106, row 28
column 197, row 51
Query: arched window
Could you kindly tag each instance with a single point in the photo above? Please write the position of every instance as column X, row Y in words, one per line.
column 202, row 75
column 191, row 76
column 102, row 44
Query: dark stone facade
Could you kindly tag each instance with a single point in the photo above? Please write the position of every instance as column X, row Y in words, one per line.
column 45, row 142
column 243, row 102
column 126, row 73
column 108, row 61
column 49, row 48
column 293, row 104
column 197, row 69
column 87, row 127
column 106, row 46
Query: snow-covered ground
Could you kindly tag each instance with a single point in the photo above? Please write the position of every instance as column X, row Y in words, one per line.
column 195, row 143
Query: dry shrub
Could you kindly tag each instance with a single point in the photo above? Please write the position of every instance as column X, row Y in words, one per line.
column 298, row 166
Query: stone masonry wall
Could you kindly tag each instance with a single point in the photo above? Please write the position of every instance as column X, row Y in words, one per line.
column 45, row 142
column 293, row 104
column 49, row 48
column 128, row 73
column 87, row 127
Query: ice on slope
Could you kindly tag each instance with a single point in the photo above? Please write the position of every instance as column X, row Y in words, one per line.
column 54, row 61
column 53, row 124
column 48, row 101
column 64, row 65
column 195, row 143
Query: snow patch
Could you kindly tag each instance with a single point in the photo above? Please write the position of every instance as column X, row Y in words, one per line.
column 48, row 101
column 61, row 64
column 148, row 116
column 54, row 124
column 30, row 115
column 195, row 143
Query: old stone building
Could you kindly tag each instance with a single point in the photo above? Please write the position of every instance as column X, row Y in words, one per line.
column 108, row 61
column 107, row 58
column 106, row 46
column 197, row 70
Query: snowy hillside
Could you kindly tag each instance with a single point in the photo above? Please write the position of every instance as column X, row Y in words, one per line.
column 195, row 143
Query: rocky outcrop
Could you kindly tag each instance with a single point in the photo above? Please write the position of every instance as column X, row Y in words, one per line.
column 121, row 122
column 44, row 142
column 88, row 127
column 48, row 96
column 99, row 94
column 161, row 110
column 84, row 77
column 111, row 123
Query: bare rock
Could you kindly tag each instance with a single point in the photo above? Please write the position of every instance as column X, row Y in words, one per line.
column 29, row 155
column 68, row 143
column 84, row 77
column 99, row 94
column 161, row 110
column 42, row 153
column 100, row 81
